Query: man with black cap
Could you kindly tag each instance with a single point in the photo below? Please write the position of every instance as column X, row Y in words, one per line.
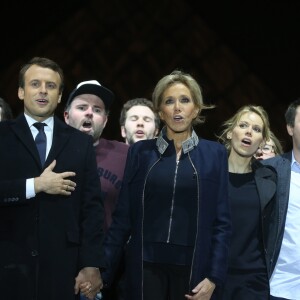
column 87, row 109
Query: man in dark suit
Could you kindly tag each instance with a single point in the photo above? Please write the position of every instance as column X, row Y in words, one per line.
column 51, row 213
column 283, row 252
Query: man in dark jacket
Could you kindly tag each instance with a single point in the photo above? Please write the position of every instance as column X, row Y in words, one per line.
column 283, row 255
column 51, row 210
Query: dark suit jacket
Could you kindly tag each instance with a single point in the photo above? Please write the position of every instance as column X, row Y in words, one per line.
column 266, row 183
column 282, row 164
column 46, row 240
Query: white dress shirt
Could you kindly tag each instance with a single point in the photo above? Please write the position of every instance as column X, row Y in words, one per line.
column 285, row 280
column 30, row 193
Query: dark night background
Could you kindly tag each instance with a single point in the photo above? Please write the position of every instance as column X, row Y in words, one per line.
column 239, row 53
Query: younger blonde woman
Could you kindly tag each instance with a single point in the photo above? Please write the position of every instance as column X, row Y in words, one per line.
column 252, row 187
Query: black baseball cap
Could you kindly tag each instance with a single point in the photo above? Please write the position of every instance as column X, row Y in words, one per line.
column 95, row 88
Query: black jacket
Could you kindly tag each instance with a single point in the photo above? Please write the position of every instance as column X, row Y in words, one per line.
column 46, row 240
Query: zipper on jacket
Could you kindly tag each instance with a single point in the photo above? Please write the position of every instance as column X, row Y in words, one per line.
column 172, row 202
column 198, row 215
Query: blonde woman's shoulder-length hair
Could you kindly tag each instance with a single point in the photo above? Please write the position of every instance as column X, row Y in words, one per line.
column 175, row 77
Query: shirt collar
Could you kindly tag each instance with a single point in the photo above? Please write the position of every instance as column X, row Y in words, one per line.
column 48, row 121
column 187, row 145
column 295, row 166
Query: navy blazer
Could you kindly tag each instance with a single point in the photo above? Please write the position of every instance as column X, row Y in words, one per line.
column 46, row 240
column 213, row 216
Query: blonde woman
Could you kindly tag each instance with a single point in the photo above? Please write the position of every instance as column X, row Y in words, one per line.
column 252, row 188
column 173, row 204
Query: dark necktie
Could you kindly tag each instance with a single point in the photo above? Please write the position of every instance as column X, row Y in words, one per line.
column 41, row 141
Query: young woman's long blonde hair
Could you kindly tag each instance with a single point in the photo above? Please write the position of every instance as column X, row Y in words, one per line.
column 231, row 123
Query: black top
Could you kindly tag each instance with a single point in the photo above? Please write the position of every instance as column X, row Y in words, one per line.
column 246, row 251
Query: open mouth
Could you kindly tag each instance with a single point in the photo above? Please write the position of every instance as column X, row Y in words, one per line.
column 246, row 142
column 178, row 118
column 41, row 101
column 87, row 124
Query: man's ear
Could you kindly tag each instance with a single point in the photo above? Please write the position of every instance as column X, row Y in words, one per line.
column 290, row 130
column 123, row 132
column 59, row 98
column 104, row 125
column 66, row 116
column 21, row 93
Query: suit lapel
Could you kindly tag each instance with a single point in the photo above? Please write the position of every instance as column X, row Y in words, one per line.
column 266, row 187
column 22, row 131
column 61, row 135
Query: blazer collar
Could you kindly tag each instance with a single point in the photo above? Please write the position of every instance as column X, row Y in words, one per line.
column 187, row 145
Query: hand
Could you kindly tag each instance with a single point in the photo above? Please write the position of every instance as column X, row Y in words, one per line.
column 89, row 282
column 86, row 290
column 202, row 291
column 54, row 183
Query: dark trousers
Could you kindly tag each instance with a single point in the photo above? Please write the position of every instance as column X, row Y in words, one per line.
column 117, row 288
column 165, row 282
column 276, row 298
